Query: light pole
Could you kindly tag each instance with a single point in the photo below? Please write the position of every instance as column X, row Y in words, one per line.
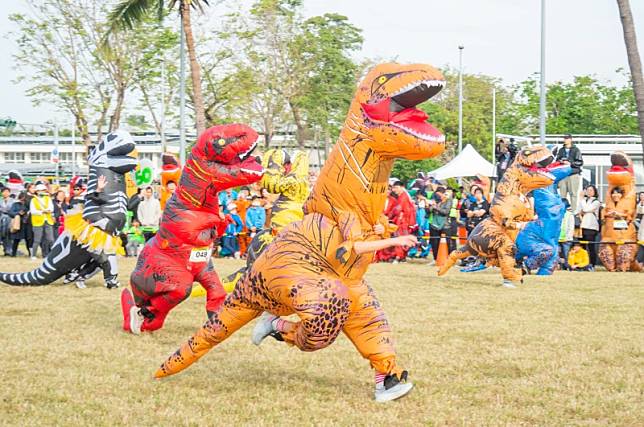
column 493, row 133
column 460, row 98
column 73, row 148
column 182, row 97
column 542, row 91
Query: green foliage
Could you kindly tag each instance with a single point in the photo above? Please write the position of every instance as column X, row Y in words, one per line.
column 406, row 170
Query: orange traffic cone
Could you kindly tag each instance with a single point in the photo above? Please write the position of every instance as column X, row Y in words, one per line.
column 442, row 252
column 462, row 235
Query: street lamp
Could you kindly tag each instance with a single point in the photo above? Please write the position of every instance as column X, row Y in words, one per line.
column 460, row 98
column 542, row 91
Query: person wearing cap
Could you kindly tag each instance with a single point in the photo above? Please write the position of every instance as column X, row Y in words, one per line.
column 570, row 155
column 229, row 243
column 41, row 209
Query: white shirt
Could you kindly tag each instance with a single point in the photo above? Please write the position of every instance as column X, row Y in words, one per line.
column 589, row 210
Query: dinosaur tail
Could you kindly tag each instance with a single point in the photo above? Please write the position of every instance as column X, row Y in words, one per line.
column 461, row 253
column 65, row 255
column 189, row 352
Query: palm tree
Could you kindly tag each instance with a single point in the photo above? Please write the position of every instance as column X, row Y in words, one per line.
column 129, row 12
column 634, row 61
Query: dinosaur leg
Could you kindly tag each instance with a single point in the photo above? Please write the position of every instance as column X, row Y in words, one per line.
column 607, row 256
column 541, row 256
column 158, row 286
column 231, row 316
column 505, row 254
column 460, row 253
column 369, row 331
column 322, row 304
column 625, row 257
column 215, row 293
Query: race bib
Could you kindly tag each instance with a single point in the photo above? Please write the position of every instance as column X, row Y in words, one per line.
column 620, row 224
column 200, row 254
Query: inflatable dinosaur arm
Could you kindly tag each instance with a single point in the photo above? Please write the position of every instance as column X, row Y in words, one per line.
column 351, row 230
column 274, row 182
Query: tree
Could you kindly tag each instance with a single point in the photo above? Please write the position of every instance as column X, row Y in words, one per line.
column 130, row 12
column 634, row 62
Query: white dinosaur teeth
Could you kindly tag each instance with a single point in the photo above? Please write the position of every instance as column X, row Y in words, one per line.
column 424, row 136
column 251, row 171
column 245, row 153
column 430, row 83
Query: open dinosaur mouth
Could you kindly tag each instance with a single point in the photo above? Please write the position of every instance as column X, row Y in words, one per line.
column 543, row 166
column 251, row 165
column 399, row 110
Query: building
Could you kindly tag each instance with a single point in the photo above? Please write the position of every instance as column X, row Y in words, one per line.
column 32, row 156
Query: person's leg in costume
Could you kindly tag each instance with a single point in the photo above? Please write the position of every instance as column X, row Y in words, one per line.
column 626, row 255
column 215, row 293
column 607, row 256
column 369, row 331
column 505, row 254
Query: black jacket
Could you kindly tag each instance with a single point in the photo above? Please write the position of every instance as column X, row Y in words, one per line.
column 574, row 157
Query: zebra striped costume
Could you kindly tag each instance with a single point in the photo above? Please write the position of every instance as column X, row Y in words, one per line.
column 90, row 240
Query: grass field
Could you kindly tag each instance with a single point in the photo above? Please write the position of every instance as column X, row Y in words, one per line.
column 562, row 350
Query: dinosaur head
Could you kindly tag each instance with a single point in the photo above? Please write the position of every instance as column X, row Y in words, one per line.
column 277, row 158
column 116, row 152
column 621, row 172
column 387, row 99
column 223, row 156
column 300, row 164
column 530, row 168
column 559, row 170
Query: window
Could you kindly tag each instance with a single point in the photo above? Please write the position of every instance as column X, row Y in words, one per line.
column 40, row 157
column 66, row 158
column 14, row 157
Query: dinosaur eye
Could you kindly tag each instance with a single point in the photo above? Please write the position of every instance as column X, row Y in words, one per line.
column 221, row 142
column 382, row 79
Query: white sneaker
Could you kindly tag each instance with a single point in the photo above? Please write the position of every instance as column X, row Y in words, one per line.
column 263, row 328
column 33, row 258
column 508, row 284
column 237, row 255
column 80, row 284
column 392, row 388
column 136, row 320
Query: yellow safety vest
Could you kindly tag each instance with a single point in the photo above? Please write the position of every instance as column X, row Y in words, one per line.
column 39, row 220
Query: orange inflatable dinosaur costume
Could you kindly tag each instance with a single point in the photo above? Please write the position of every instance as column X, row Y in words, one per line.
column 494, row 237
column 618, row 217
column 314, row 268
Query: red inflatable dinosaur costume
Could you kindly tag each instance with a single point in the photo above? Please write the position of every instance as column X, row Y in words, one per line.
column 315, row 267
column 180, row 252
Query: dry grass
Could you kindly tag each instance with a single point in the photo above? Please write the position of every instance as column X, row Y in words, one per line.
column 564, row 350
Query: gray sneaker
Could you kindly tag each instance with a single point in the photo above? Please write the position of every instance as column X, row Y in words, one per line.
column 136, row 320
column 263, row 328
column 508, row 284
column 393, row 388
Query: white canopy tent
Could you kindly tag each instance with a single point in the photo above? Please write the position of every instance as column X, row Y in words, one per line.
column 468, row 163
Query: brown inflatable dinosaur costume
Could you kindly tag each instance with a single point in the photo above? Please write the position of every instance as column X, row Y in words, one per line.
column 494, row 237
column 314, row 268
column 618, row 217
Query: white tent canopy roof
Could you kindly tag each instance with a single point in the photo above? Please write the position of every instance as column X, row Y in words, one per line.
column 468, row 163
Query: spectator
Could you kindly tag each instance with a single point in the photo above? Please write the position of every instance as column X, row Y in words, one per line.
column 570, row 155
column 77, row 198
column 588, row 209
column 243, row 203
column 135, row 238
column 60, row 209
column 452, row 221
column 567, row 233
column 640, row 237
column 41, row 209
column 229, row 244
column 29, row 232
column 505, row 154
column 477, row 210
column 227, row 197
column 5, row 219
column 578, row 259
column 21, row 209
column 149, row 214
column 639, row 214
column 133, row 203
column 255, row 217
column 439, row 206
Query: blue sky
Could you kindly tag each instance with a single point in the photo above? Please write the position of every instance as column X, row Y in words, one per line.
column 501, row 38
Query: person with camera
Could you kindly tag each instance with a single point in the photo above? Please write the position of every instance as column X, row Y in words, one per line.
column 504, row 153
column 571, row 155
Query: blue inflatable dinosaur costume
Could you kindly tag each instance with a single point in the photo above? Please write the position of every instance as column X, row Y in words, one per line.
column 538, row 242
